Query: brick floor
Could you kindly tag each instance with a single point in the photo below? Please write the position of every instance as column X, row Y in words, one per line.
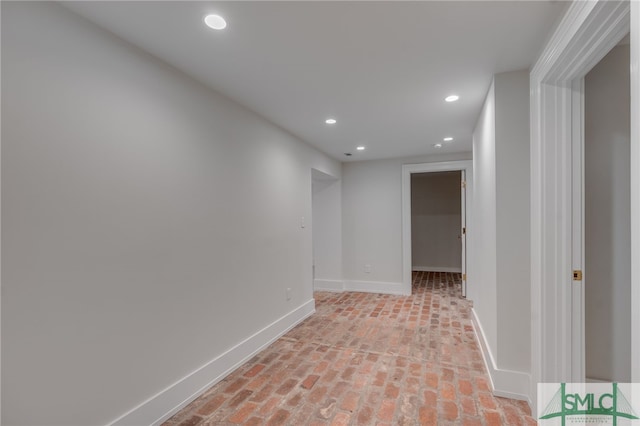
column 366, row 359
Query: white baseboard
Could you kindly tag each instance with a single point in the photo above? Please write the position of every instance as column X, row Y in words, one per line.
column 328, row 285
column 590, row 380
column 166, row 403
column 362, row 286
column 435, row 269
column 375, row 287
column 504, row 383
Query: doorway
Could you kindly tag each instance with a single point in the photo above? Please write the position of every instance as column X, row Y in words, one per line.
column 587, row 32
column 462, row 171
column 326, row 232
column 436, row 224
column 607, row 219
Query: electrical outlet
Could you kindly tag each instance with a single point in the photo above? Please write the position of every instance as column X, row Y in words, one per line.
column 367, row 269
column 288, row 294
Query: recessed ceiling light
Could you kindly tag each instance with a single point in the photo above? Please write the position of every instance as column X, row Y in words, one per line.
column 438, row 145
column 452, row 98
column 216, row 22
column 448, row 139
column 330, row 121
column 360, row 148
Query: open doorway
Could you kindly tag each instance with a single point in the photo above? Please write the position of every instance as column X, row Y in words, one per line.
column 437, row 229
column 326, row 232
column 422, row 220
column 587, row 32
column 607, row 219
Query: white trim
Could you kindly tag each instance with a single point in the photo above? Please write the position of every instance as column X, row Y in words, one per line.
column 328, row 285
column 166, row 403
column 504, row 383
column 587, row 32
column 381, row 287
column 436, row 269
column 487, row 356
column 376, row 287
column 407, row 170
column 463, row 233
column 635, row 191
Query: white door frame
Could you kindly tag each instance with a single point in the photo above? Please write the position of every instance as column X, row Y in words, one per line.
column 587, row 32
column 463, row 230
column 407, row 170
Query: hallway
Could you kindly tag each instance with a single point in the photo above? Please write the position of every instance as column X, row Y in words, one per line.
column 367, row 359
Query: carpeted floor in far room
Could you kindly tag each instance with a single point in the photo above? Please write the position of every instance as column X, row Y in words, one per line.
column 367, row 359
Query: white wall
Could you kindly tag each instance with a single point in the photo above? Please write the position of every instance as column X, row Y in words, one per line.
column 512, row 218
column 607, row 219
column 500, row 269
column 635, row 191
column 435, row 221
column 372, row 220
column 482, row 268
column 149, row 224
column 327, row 231
column 0, row 231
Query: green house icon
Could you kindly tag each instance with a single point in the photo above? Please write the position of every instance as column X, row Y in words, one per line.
column 620, row 406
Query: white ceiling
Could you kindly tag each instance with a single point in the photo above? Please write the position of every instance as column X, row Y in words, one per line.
column 382, row 69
